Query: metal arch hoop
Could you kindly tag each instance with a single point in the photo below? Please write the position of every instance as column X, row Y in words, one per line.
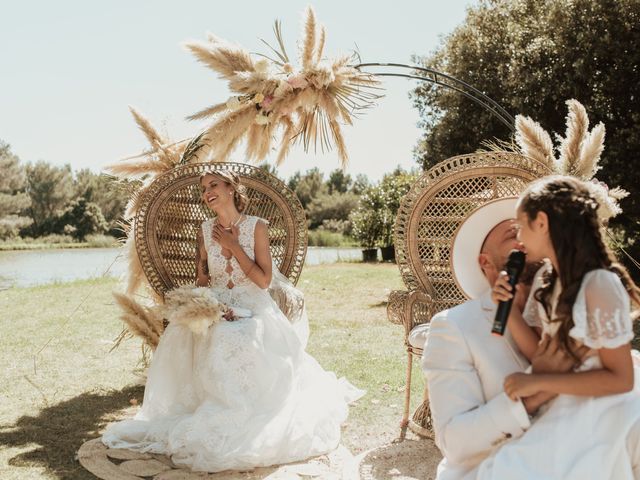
column 447, row 81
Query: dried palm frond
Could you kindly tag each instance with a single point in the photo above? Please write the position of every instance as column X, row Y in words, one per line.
column 287, row 138
column 590, row 151
column 306, row 106
column 534, row 141
column 193, row 150
column 133, row 204
column 577, row 128
column 498, row 145
column 281, row 51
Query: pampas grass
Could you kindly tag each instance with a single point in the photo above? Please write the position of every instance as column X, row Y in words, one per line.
column 577, row 130
column 139, row 320
column 222, row 57
column 135, row 274
column 534, row 141
column 162, row 156
column 580, row 153
column 309, row 40
column 208, row 112
column 590, row 151
column 307, row 106
column 194, row 307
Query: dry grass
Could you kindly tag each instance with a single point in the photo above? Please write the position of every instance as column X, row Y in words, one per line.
column 50, row 406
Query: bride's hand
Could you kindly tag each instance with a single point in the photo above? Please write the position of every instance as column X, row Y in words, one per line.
column 226, row 238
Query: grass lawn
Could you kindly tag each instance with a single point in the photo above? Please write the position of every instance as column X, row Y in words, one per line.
column 60, row 385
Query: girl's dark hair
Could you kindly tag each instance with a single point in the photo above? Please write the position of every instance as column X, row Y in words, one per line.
column 240, row 197
column 577, row 238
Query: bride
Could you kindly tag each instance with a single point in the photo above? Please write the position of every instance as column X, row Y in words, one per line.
column 245, row 394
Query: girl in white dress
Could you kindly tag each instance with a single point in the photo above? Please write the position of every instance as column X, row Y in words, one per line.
column 582, row 296
column 245, row 394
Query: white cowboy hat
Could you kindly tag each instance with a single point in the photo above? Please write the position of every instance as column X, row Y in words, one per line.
column 468, row 240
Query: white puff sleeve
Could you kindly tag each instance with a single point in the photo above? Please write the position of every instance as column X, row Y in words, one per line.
column 602, row 311
column 534, row 314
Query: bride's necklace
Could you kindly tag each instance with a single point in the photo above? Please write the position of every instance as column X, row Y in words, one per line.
column 234, row 224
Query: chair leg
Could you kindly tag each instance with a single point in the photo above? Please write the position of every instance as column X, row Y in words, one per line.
column 407, row 398
column 421, row 423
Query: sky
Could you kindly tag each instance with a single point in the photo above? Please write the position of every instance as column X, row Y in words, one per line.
column 70, row 68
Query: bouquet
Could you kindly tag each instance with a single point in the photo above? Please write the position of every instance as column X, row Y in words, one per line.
column 198, row 308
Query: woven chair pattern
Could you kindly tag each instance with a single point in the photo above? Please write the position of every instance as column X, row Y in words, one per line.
column 428, row 218
column 171, row 212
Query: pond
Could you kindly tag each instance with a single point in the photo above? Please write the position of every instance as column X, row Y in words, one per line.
column 36, row 267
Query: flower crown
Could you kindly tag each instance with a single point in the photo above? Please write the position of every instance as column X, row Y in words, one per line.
column 579, row 154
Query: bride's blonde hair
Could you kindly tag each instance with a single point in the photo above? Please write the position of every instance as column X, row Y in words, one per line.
column 240, row 197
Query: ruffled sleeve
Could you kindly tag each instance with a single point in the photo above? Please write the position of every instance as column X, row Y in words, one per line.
column 602, row 311
column 534, row 314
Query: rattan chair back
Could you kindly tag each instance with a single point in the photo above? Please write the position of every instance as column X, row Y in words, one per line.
column 436, row 205
column 171, row 212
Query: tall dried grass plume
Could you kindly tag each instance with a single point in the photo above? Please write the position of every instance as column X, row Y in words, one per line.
column 273, row 100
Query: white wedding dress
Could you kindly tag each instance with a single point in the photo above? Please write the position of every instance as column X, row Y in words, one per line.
column 243, row 395
column 576, row 437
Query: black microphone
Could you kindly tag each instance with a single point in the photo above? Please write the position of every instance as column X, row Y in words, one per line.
column 514, row 267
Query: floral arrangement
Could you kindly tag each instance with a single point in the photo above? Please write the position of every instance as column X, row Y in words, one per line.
column 579, row 154
column 307, row 104
column 194, row 307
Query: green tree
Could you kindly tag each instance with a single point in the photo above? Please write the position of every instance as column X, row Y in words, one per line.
column 13, row 197
column 82, row 218
column 337, row 206
column 50, row 189
column 269, row 168
column 530, row 56
column 111, row 195
column 367, row 219
column 393, row 187
column 293, row 181
column 339, row 182
column 360, row 184
column 308, row 186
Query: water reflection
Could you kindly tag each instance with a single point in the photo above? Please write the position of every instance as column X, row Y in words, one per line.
column 37, row 267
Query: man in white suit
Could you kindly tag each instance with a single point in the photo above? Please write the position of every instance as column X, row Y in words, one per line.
column 465, row 365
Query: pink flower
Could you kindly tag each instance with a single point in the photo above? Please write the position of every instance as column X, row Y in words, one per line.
column 297, row 81
column 268, row 100
column 595, row 181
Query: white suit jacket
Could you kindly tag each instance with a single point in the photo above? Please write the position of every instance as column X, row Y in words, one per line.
column 465, row 366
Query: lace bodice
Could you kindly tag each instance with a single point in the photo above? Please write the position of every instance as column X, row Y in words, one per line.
column 601, row 312
column 226, row 273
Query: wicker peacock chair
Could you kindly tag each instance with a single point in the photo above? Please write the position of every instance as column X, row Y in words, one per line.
column 171, row 212
column 427, row 219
